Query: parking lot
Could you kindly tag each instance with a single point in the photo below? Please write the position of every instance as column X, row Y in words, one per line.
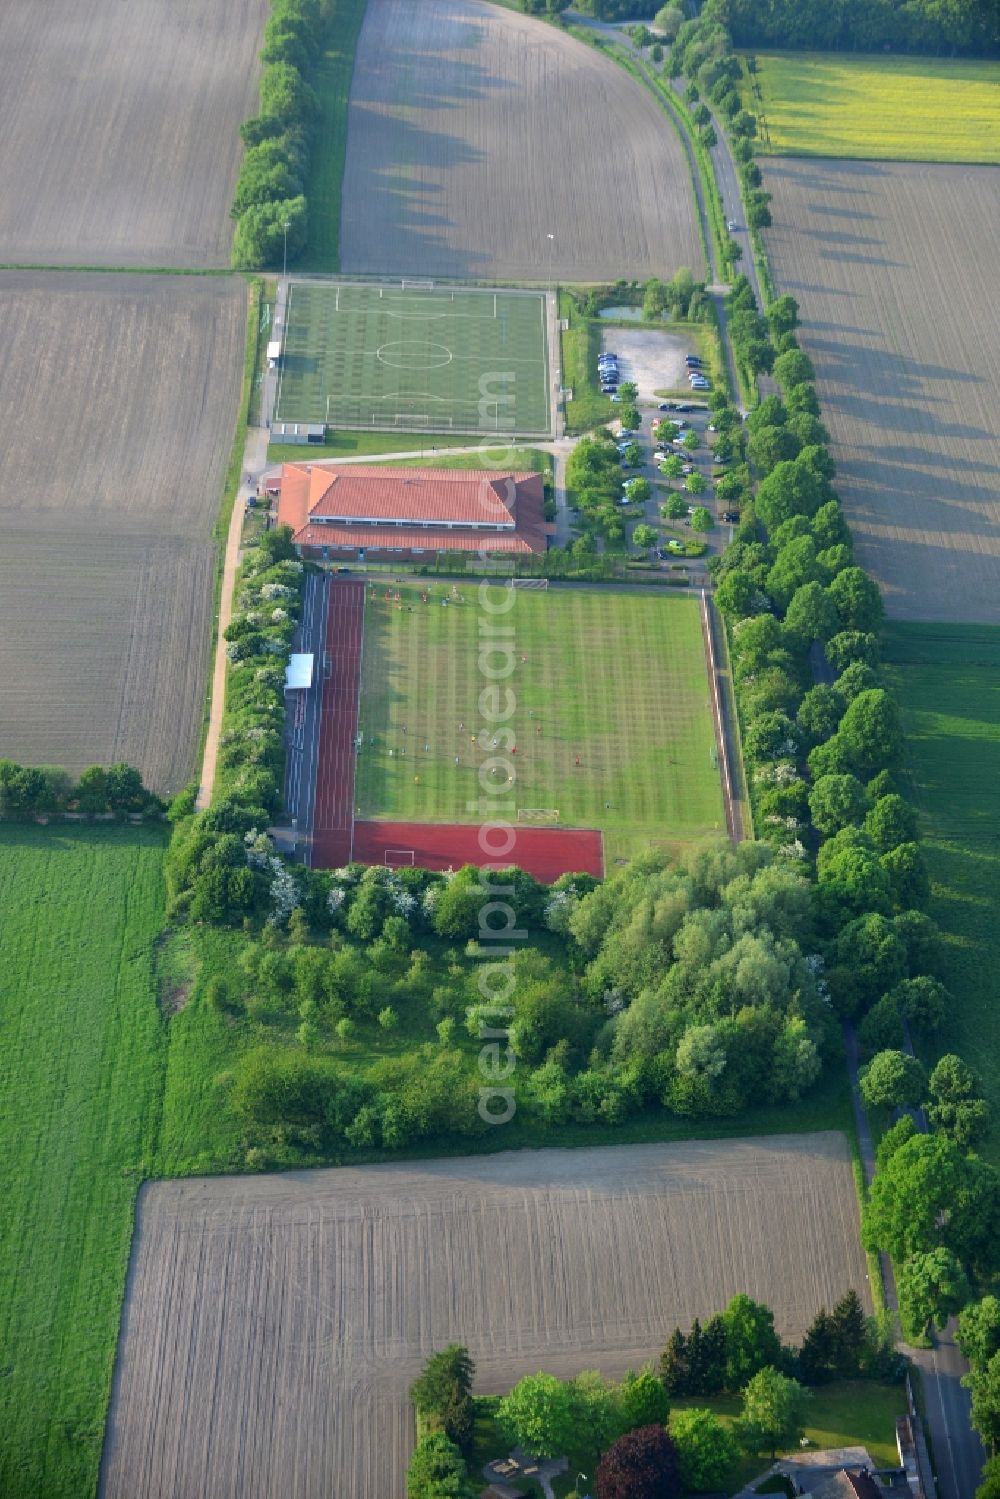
column 687, row 416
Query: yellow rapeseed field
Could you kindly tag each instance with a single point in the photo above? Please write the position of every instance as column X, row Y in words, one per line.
column 888, row 108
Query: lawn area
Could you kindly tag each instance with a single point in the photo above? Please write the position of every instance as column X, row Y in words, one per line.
column 581, row 344
column 359, row 444
column 947, row 678
column 332, row 81
column 614, row 679
column 847, row 1413
column 521, row 460
column 81, row 1069
column 886, row 108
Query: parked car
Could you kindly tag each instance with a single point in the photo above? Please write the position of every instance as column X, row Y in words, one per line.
column 731, row 517
column 693, row 361
column 667, row 406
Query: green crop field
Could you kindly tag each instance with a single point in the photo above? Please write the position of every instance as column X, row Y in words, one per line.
column 948, row 681
column 81, row 1067
column 878, row 108
column 613, row 679
column 415, row 360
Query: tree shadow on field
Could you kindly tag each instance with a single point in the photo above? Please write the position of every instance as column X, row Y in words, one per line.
column 844, row 257
column 418, row 75
column 830, row 210
column 870, row 373
column 392, row 201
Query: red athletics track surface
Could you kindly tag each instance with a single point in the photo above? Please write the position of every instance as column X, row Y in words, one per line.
column 544, row 852
column 333, row 820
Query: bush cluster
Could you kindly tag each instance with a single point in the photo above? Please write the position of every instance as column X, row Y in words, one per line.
column 30, row 791
column 270, row 189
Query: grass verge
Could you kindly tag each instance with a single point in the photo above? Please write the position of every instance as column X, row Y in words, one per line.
column 361, row 444
column 581, row 345
column 331, row 78
column 81, row 1069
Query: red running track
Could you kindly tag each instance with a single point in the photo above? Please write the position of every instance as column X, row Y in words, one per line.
column 544, row 852
column 333, row 821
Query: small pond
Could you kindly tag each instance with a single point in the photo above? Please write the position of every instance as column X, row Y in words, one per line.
column 622, row 314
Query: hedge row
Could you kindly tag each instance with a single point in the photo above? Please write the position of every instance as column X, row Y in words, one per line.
column 30, row 791
column 270, row 190
column 211, row 875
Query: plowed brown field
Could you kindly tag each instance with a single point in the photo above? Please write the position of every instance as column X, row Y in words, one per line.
column 896, row 271
column 474, row 133
column 119, row 128
column 119, row 397
column 273, row 1324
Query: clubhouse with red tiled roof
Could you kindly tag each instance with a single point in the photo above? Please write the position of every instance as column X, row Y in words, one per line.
column 352, row 511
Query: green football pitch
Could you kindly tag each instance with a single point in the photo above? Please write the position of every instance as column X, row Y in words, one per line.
column 415, row 359
column 612, row 720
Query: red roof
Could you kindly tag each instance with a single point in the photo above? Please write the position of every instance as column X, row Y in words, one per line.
column 407, row 539
column 412, row 509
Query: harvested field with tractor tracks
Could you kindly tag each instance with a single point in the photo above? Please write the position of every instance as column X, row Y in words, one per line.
column 894, row 266
column 475, row 133
column 120, row 396
column 274, row 1323
column 119, row 129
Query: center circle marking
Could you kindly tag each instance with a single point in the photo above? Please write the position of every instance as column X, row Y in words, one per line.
column 414, row 354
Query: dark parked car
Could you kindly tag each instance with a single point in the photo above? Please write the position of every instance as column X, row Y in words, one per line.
column 731, row 516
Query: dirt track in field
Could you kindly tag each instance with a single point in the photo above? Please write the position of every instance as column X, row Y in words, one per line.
column 119, row 128
column 273, row 1324
column 474, row 133
column 895, row 269
column 119, row 397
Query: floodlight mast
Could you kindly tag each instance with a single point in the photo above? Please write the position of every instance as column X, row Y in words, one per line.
column 284, row 256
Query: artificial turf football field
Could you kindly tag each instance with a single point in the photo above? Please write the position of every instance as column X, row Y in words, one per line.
column 616, row 680
column 445, row 359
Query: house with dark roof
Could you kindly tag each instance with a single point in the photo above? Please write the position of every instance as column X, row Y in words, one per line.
column 357, row 511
